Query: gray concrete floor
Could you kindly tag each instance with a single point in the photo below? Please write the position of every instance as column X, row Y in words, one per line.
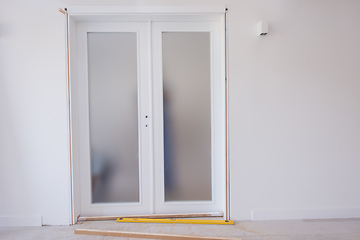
column 327, row 229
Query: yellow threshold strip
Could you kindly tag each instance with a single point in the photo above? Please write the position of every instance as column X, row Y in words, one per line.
column 168, row 220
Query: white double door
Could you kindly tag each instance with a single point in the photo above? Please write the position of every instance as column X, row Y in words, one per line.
column 151, row 117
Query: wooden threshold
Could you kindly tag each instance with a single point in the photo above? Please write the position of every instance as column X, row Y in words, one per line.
column 145, row 235
column 176, row 215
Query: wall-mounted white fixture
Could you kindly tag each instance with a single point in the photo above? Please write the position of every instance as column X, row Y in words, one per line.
column 262, row 27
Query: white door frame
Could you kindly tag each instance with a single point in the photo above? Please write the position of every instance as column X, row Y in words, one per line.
column 128, row 13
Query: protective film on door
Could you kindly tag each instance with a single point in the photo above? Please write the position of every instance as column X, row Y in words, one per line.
column 113, row 117
column 186, row 115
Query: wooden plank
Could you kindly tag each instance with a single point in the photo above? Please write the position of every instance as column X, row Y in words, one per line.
column 176, row 215
column 146, row 235
column 227, row 169
column 182, row 221
column 61, row 10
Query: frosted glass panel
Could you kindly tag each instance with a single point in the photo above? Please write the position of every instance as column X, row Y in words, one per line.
column 187, row 116
column 112, row 63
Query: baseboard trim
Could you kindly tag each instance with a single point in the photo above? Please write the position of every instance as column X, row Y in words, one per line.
column 20, row 221
column 288, row 214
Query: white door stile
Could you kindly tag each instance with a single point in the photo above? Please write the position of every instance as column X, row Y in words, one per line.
column 151, row 117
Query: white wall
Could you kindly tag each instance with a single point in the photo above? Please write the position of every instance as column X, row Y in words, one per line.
column 294, row 113
column 294, row 109
column 33, row 121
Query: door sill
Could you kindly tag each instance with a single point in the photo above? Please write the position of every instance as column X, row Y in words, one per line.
column 170, row 215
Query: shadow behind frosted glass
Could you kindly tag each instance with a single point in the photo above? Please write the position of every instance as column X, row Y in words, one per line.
column 112, row 63
column 187, row 116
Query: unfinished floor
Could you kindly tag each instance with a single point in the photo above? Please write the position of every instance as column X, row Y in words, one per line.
column 339, row 229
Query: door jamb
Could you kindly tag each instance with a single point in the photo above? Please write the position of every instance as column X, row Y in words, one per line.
column 132, row 13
